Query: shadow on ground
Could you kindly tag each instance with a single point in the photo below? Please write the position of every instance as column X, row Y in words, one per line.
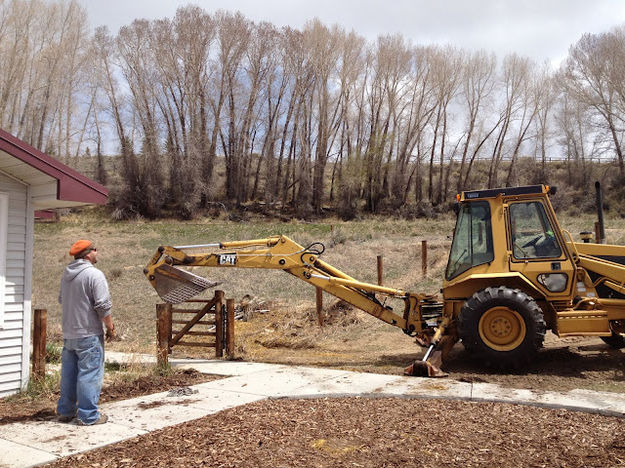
column 558, row 367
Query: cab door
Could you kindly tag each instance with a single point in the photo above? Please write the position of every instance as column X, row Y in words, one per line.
column 537, row 249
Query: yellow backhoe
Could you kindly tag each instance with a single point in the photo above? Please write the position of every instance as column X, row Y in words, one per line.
column 512, row 274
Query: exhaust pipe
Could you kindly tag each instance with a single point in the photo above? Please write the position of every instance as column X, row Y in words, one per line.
column 600, row 228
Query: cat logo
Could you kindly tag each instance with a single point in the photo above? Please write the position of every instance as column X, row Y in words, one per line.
column 227, row 259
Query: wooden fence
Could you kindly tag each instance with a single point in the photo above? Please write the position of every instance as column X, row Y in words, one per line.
column 40, row 325
column 215, row 315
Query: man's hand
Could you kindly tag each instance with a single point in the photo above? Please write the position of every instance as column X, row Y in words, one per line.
column 110, row 328
column 111, row 335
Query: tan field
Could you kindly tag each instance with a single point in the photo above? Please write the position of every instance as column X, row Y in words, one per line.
column 283, row 326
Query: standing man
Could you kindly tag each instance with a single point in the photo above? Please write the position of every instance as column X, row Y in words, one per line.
column 86, row 305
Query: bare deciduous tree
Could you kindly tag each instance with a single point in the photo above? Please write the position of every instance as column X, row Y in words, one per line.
column 298, row 118
column 478, row 83
column 588, row 78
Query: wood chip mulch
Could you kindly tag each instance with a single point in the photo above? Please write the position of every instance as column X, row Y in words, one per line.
column 379, row 432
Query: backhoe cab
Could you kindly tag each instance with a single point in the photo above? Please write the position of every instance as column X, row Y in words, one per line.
column 512, row 274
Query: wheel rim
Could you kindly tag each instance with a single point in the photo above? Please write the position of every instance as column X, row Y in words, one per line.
column 502, row 329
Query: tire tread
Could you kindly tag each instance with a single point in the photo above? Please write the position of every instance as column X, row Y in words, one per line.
column 489, row 297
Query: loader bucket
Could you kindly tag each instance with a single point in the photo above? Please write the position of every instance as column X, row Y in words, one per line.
column 174, row 285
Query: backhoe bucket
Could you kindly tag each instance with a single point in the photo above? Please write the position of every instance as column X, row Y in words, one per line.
column 428, row 368
column 174, row 285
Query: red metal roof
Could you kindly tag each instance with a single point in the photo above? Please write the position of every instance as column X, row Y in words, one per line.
column 71, row 185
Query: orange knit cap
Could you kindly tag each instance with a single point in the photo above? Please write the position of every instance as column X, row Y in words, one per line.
column 80, row 246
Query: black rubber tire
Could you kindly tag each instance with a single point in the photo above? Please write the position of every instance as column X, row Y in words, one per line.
column 516, row 300
column 616, row 341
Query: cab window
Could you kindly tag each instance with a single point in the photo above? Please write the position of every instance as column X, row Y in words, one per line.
column 532, row 232
column 473, row 239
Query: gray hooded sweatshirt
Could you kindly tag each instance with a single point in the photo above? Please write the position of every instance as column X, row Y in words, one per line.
column 85, row 300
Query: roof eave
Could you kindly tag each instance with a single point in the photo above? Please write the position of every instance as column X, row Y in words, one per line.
column 72, row 186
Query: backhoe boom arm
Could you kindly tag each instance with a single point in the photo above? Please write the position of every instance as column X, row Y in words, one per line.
column 278, row 253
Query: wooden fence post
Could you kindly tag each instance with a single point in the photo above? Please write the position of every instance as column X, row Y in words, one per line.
column 424, row 257
column 230, row 328
column 219, row 324
column 380, row 270
column 163, row 333
column 39, row 342
column 319, row 303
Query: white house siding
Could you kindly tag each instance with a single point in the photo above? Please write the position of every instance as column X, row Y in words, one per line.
column 15, row 332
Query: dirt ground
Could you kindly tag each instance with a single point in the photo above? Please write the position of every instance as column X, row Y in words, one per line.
column 562, row 365
column 352, row 340
column 386, row 432
column 22, row 408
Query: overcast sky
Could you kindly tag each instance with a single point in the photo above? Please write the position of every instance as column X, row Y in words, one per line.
column 541, row 29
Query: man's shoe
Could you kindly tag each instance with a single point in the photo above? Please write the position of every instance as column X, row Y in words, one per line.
column 101, row 420
column 65, row 419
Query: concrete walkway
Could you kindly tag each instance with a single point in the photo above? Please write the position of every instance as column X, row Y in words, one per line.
column 33, row 443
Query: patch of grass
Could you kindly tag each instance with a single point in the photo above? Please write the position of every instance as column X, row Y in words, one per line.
column 163, row 370
column 290, row 342
column 337, row 237
column 40, row 388
column 115, row 274
column 116, row 372
column 53, row 353
column 110, row 366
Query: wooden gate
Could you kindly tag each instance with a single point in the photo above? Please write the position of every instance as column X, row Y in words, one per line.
column 214, row 319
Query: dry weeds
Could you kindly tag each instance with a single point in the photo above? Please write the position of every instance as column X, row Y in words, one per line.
column 125, row 248
column 289, row 331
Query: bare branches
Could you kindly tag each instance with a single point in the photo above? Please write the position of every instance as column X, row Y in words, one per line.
column 214, row 106
column 43, row 71
column 590, row 76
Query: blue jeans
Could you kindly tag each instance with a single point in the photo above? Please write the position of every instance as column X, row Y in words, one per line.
column 82, row 370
